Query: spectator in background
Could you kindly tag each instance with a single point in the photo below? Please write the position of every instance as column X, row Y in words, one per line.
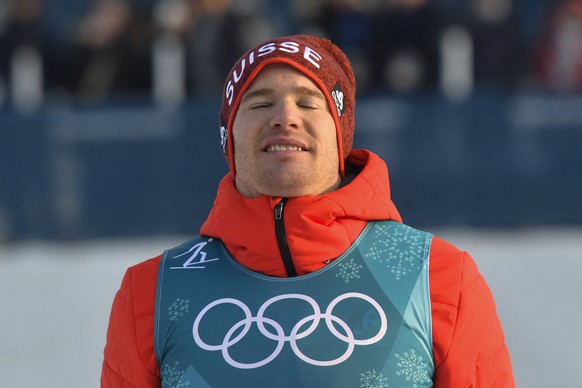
column 24, row 46
column 110, row 51
column 498, row 48
column 348, row 23
column 405, row 46
column 558, row 61
column 219, row 32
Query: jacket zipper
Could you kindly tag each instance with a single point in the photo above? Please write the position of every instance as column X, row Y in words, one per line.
column 282, row 239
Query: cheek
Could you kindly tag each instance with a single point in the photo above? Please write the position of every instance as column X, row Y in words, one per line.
column 243, row 132
column 237, row 138
column 242, row 151
column 331, row 139
column 239, row 151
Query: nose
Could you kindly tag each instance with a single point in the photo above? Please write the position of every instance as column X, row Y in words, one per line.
column 285, row 115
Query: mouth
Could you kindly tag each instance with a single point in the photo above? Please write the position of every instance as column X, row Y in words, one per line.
column 283, row 147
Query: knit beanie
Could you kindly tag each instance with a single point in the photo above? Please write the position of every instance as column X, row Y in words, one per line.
column 320, row 60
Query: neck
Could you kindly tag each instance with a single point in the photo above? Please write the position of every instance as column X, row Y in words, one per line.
column 293, row 191
column 318, row 229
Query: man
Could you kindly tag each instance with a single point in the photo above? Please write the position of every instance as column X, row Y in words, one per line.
column 303, row 274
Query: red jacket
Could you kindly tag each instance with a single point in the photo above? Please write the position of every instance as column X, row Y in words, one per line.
column 469, row 345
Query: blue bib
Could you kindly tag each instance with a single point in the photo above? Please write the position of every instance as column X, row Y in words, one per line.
column 364, row 320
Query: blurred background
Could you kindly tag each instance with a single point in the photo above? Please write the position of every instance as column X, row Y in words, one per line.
column 110, row 152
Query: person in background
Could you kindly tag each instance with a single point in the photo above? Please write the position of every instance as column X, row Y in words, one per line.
column 303, row 274
column 109, row 52
column 25, row 48
column 558, row 52
column 406, row 46
column 497, row 45
column 218, row 32
column 350, row 25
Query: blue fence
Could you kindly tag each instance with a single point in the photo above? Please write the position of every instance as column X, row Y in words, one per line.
column 134, row 169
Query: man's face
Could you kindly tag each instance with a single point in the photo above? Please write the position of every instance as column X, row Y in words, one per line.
column 285, row 141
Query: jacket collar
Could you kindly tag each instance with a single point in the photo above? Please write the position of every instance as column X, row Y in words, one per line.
column 318, row 228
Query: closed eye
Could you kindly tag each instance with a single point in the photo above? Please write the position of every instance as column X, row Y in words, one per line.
column 256, row 99
column 309, row 104
column 260, row 105
column 309, row 98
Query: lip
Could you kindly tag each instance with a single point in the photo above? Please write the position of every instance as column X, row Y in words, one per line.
column 285, row 141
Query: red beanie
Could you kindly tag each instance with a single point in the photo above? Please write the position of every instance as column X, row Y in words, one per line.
column 320, row 60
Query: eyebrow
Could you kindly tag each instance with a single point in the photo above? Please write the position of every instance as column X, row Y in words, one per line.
column 302, row 90
column 257, row 93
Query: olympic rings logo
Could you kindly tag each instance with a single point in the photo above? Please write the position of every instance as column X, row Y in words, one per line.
column 230, row 339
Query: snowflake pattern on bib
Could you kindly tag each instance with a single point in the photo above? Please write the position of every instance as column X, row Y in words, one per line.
column 178, row 309
column 349, row 270
column 373, row 379
column 172, row 376
column 396, row 248
column 413, row 368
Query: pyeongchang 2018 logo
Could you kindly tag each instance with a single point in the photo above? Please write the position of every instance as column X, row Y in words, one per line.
column 198, row 258
column 302, row 329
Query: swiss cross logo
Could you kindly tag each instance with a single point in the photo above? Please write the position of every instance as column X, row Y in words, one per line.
column 338, row 98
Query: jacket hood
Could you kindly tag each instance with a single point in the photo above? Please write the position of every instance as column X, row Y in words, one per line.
column 318, row 228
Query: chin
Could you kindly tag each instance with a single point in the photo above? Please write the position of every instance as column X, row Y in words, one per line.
column 286, row 189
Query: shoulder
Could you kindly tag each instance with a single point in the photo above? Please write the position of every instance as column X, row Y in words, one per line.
column 138, row 289
column 451, row 271
column 128, row 353
column 147, row 269
column 468, row 339
column 139, row 282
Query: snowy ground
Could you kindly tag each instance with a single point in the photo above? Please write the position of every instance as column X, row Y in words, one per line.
column 55, row 301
